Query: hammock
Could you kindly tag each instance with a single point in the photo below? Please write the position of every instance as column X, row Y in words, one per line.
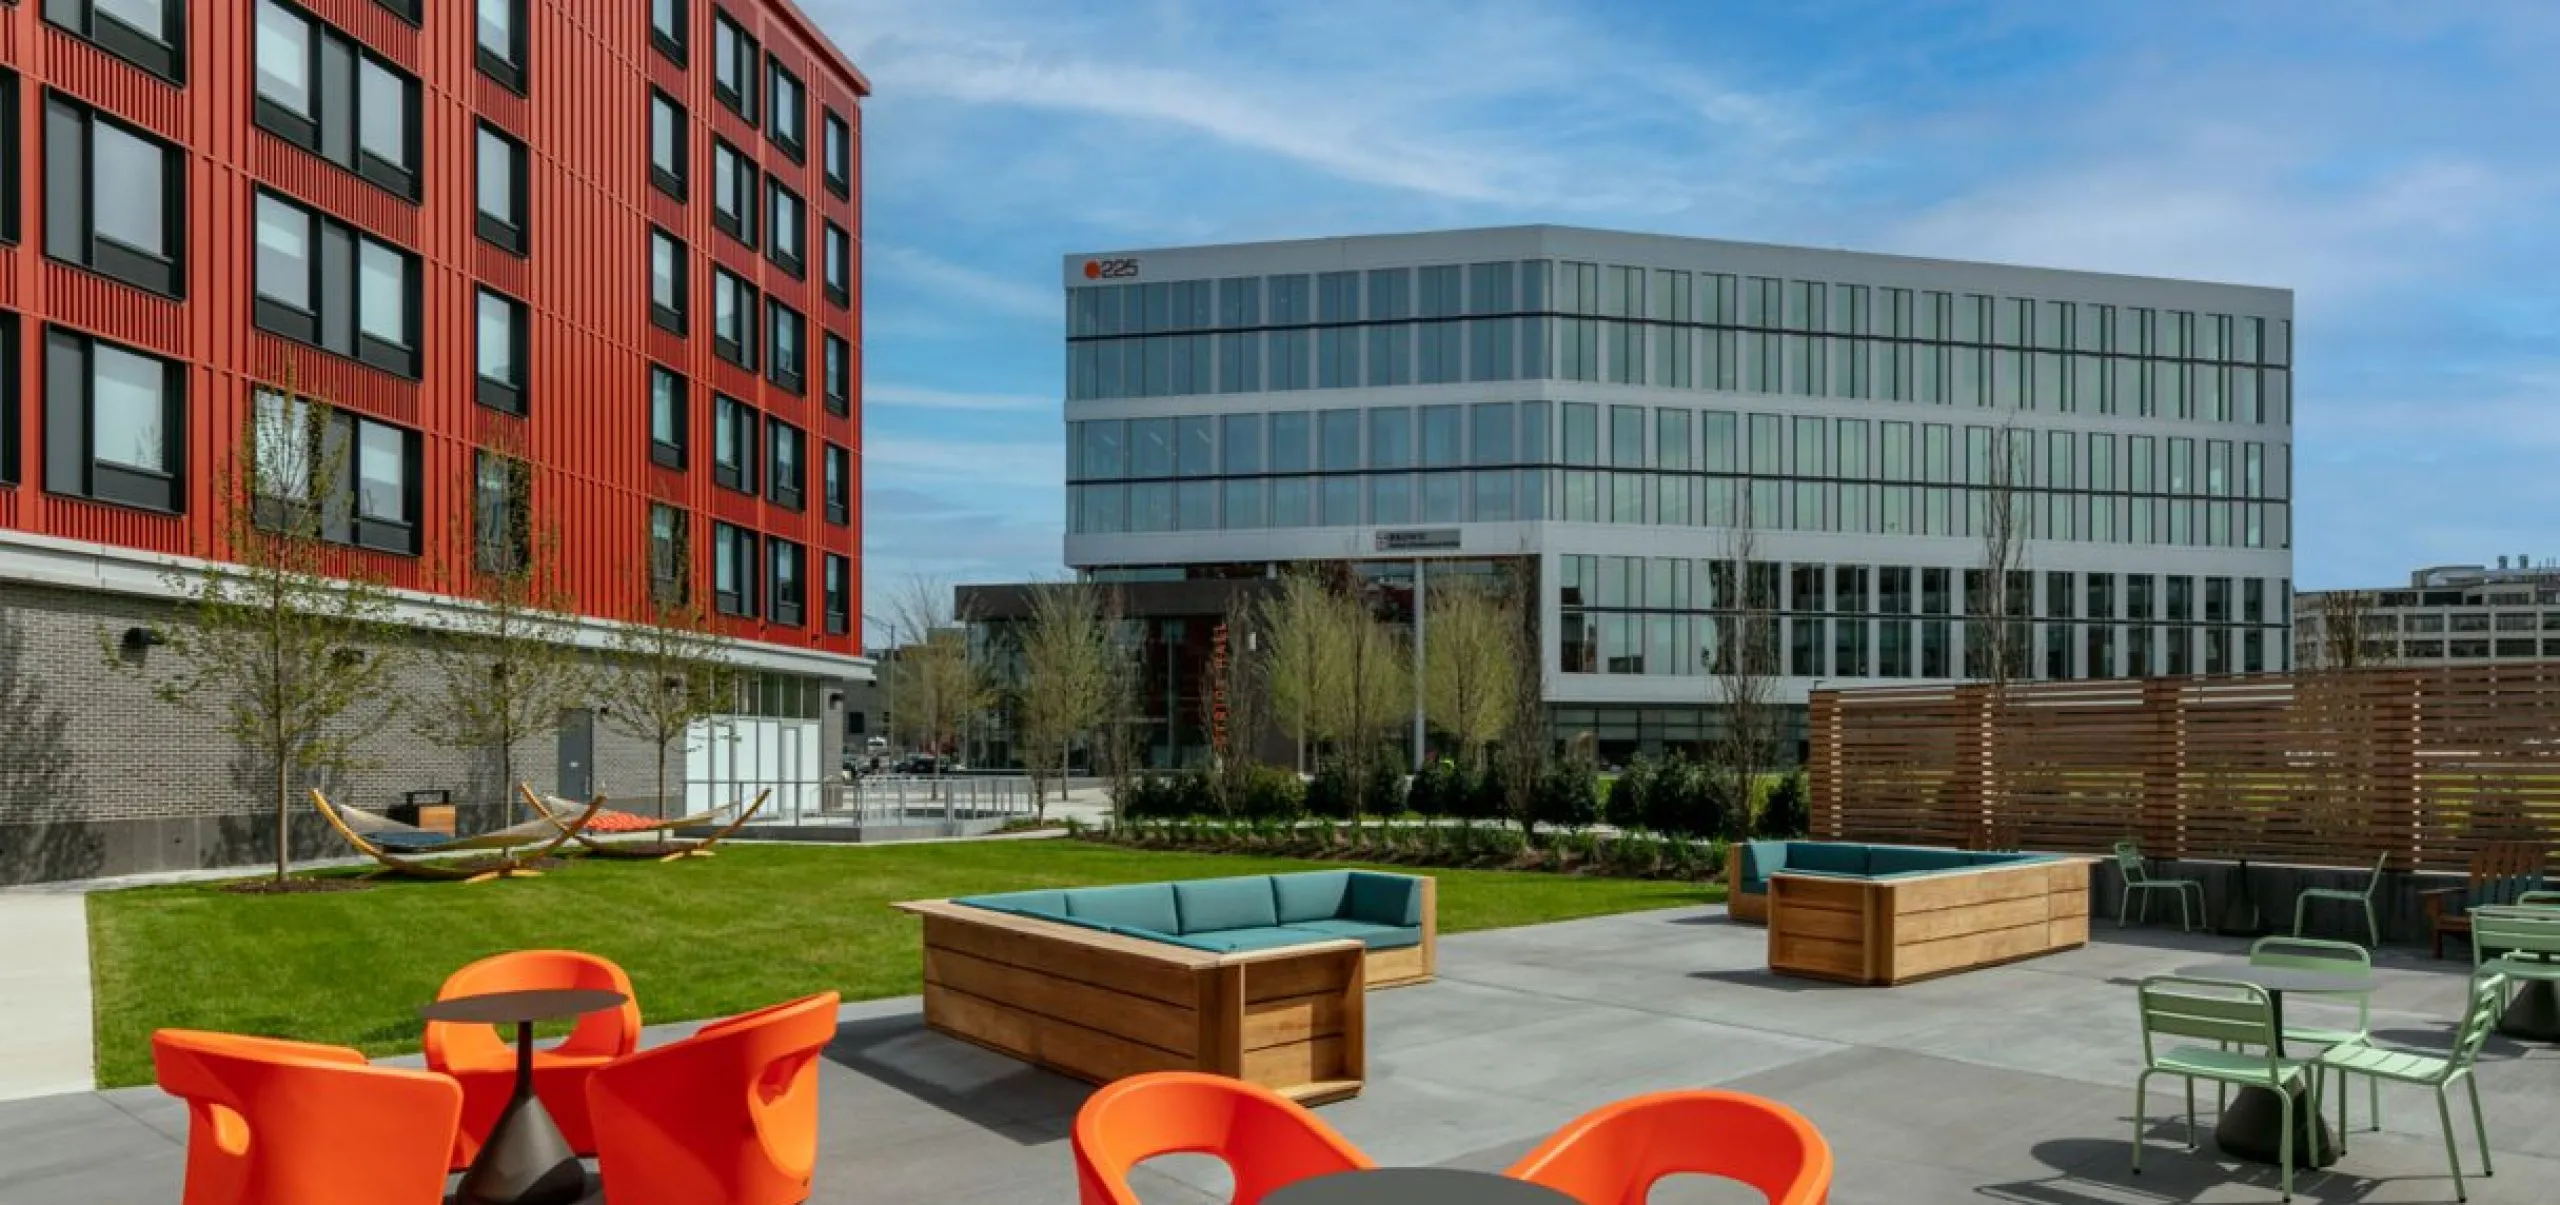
column 399, row 847
column 607, row 822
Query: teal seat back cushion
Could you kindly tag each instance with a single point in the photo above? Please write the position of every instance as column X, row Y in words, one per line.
column 1316, row 895
column 1384, row 899
column 1137, row 906
column 1831, row 857
column 1904, row 859
column 1760, row 859
column 1022, row 903
column 1209, row 905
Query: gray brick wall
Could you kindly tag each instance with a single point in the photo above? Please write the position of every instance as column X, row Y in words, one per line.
column 99, row 776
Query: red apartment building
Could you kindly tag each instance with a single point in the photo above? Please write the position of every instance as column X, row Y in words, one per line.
column 596, row 262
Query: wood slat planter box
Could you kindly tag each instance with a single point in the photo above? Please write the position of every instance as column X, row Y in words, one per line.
column 1905, row 927
column 1099, row 1006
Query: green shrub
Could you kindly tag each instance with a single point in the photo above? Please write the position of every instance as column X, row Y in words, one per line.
column 1384, row 795
column 1329, row 796
column 1788, row 813
column 1268, row 793
column 1686, row 800
column 1441, row 789
column 1489, row 793
column 1630, row 803
column 1568, row 795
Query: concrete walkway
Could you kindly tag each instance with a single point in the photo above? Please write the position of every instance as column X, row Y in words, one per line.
column 45, row 1009
column 2006, row 1086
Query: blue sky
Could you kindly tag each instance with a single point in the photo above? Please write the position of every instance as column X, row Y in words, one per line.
column 2397, row 168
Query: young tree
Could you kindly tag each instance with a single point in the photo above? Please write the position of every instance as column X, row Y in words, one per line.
column 1468, row 678
column 268, row 644
column 1746, row 668
column 1231, row 707
column 507, row 667
column 2341, row 641
column 1302, row 670
column 936, row 686
column 1376, row 694
column 669, row 669
column 2002, row 622
column 1525, row 744
column 1066, row 684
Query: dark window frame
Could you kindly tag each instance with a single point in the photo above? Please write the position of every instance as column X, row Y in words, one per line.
column 164, row 56
column 749, row 191
column 837, row 372
column 790, row 372
column 12, row 151
column 742, row 350
column 411, row 11
column 747, row 55
column 838, row 484
column 673, row 320
column 343, row 521
column 313, row 326
column 671, row 455
column 71, row 204
column 508, row 69
column 740, row 601
column 676, row 183
column 836, row 141
column 746, row 434
column 316, row 133
column 512, row 236
column 670, row 577
column 511, row 550
column 786, row 486
column 836, row 271
column 837, row 582
column 789, row 606
column 504, row 396
column 71, row 465
column 12, row 411
column 795, row 143
column 676, row 43
column 795, row 261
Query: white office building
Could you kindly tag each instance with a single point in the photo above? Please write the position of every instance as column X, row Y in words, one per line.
column 2446, row 615
column 1607, row 407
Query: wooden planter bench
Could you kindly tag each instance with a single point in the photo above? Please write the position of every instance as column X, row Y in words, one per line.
column 1899, row 926
column 1101, row 983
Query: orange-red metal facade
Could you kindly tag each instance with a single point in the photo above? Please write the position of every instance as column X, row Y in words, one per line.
column 585, row 122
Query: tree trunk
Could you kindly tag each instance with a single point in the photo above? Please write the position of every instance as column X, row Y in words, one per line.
column 662, row 777
column 284, row 815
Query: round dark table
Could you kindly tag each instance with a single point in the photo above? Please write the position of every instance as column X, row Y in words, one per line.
column 525, row 1161
column 1416, row 1186
column 2253, row 1126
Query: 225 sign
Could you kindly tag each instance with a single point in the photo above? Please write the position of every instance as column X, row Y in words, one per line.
column 1110, row 269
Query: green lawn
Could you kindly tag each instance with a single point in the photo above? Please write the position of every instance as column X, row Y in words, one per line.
column 759, row 923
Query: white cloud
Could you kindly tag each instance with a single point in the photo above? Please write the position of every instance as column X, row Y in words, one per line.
column 1003, row 464
column 1017, row 295
column 925, row 397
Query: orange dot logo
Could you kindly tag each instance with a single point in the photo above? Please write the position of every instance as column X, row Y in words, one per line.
column 1092, row 270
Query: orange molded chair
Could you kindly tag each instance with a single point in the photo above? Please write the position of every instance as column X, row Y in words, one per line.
column 1613, row 1155
column 1266, row 1139
column 271, row 1122
column 484, row 1059
column 729, row 1115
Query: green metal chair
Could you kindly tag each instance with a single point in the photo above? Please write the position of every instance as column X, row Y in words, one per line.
column 2228, row 1015
column 2362, row 899
column 2379, row 1063
column 2539, row 899
column 2139, row 885
column 2313, row 954
column 2516, row 941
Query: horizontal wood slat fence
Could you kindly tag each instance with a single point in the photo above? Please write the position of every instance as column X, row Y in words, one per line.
column 2328, row 768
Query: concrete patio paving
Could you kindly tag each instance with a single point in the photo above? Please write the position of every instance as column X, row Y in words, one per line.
column 2011, row 1084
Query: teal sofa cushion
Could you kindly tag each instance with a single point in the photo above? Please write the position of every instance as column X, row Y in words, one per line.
column 1375, row 936
column 1137, row 906
column 1827, row 856
column 1906, row 859
column 1760, row 859
column 1051, row 904
column 1383, row 899
column 1315, row 895
column 1208, row 905
column 1260, row 937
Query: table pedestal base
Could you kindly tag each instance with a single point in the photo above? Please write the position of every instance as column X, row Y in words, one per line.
column 2534, row 1014
column 525, row 1162
column 2253, row 1127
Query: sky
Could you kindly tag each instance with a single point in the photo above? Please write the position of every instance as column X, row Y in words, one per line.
column 2395, row 165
